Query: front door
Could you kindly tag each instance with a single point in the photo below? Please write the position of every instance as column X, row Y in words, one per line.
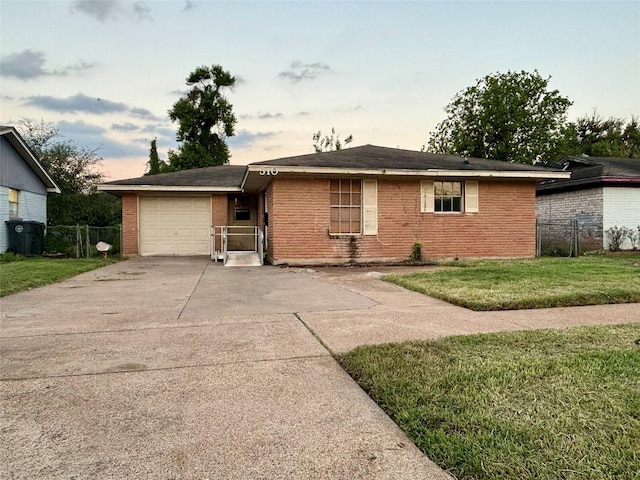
column 243, row 218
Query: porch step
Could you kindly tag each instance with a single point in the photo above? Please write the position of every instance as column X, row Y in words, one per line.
column 243, row 259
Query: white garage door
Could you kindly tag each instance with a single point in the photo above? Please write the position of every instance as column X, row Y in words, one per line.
column 175, row 225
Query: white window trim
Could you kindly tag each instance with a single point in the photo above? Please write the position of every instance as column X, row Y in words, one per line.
column 470, row 196
column 16, row 201
column 369, row 207
column 346, row 234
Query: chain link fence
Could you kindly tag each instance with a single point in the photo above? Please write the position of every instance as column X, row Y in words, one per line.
column 568, row 238
column 80, row 241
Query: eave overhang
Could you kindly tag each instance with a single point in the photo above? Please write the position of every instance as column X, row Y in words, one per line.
column 166, row 188
column 258, row 176
column 584, row 183
column 16, row 141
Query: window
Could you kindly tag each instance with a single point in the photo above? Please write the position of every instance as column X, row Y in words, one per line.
column 345, row 199
column 449, row 197
column 242, row 213
column 14, row 211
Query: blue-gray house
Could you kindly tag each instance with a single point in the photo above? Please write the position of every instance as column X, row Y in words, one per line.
column 24, row 184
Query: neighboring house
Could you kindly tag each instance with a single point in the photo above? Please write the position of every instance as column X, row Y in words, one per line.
column 24, row 184
column 601, row 193
column 362, row 204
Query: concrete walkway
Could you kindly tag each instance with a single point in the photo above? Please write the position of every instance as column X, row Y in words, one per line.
column 181, row 368
column 401, row 315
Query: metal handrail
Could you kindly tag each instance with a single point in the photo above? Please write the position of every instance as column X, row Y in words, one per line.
column 224, row 245
column 226, row 232
column 260, row 240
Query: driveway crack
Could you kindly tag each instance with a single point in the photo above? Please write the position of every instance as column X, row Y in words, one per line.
column 193, row 290
column 314, row 334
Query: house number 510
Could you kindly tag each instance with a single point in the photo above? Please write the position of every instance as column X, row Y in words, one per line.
column 269, row 171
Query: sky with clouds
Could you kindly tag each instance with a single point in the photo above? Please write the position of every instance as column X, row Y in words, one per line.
column 105, row 72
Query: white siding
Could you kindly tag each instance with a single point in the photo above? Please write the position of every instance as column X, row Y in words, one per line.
column 621, row 208
column 32, row 207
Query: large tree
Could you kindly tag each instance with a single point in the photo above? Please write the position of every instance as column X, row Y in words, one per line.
column 75, row 171
column 511, row 116
column 205, row 119
column 72, row 167
column 155, row 165
column 596, row 136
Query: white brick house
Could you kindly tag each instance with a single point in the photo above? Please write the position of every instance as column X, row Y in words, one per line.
column 24, row 184
column 601, row 193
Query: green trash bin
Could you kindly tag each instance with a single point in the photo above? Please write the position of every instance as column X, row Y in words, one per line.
column 25, row 238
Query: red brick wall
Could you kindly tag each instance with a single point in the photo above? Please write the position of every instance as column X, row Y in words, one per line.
column 130, row 224
column 268, row 199
column 299, row 223
column 219, row 215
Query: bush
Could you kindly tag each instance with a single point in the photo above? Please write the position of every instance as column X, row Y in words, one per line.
column 60, row 241
column 416, row 253
column 616, row 237
column 10, row 257
column 634, row 237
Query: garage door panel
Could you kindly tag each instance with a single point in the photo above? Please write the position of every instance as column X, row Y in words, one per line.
column 175, row 225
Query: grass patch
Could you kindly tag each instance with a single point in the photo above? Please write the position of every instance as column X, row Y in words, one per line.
column 20, row 273
column 548, row 404
column 533, row 283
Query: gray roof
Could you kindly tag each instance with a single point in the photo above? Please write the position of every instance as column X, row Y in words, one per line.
column 374, row 157
column 365, row 158
column 587, row 172
column 219, row 176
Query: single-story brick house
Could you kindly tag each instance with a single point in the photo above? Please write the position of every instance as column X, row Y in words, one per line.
column 24, row 185
column 362, row 204
column 602, row 192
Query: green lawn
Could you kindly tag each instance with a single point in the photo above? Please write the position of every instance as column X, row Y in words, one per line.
column 534, row 283
column 26, row 273
column 550, row 404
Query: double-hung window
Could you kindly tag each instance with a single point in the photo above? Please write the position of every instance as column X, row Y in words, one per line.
column 449, row 197
column 14, row 204
column 345, row 198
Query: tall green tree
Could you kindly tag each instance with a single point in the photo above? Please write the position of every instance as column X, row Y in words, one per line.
column 329, row 143
column 511, row 116
column 205, row 118
column 597, row 136
column 75, row 171
column 72, row 167
column 155, row 165
column 631, row 138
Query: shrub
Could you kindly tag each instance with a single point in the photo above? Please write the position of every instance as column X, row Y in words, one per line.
column 58, row 242
column 633, row 235
column 616, row 237
column 11, row 257
column 416, row 253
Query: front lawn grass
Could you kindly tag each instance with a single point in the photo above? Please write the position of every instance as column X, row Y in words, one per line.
column 547, row 404
column 533, row 283
column 26, row 273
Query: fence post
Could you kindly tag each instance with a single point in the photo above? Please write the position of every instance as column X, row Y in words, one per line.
column 88, row 242
column 78, row 241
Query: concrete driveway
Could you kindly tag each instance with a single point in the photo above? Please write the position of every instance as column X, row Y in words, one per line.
column 181, row 368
